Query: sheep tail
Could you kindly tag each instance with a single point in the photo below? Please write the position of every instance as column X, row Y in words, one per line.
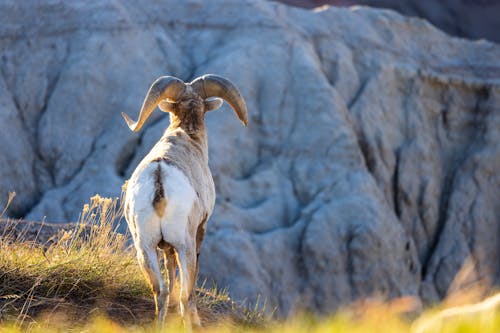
column 159, row 199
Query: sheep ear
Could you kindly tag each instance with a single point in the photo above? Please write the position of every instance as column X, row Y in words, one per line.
column 213, row 104
column 167, row 106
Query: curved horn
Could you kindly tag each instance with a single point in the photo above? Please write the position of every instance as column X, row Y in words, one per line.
column 164, row 87
column 211, row 85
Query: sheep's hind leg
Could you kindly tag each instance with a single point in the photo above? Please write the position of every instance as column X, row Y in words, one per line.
column 170, row 261
column 148, row 260
column 187, row 264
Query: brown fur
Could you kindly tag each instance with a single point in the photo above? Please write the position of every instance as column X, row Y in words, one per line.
column 200, row 233
column 159, row 200
column 189, row 114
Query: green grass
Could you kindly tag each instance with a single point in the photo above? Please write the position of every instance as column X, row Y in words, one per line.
column 86, row 279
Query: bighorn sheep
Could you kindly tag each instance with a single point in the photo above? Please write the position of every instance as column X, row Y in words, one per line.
column 171, row 194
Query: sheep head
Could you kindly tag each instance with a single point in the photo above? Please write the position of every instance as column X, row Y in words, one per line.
column 189, row 101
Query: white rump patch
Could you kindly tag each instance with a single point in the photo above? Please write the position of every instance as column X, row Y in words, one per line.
column 180, row 197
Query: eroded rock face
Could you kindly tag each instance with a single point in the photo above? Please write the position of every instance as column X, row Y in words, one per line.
column 370, row 164
column 472, row 19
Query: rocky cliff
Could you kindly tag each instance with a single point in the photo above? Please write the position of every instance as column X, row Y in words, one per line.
column 473, row 19
column 370, row 165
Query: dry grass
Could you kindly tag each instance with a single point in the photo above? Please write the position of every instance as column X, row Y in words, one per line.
column 86, row 271
column 85, row 279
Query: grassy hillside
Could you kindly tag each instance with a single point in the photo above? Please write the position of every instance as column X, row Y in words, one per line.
column 85, row 278
column 84, row 272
